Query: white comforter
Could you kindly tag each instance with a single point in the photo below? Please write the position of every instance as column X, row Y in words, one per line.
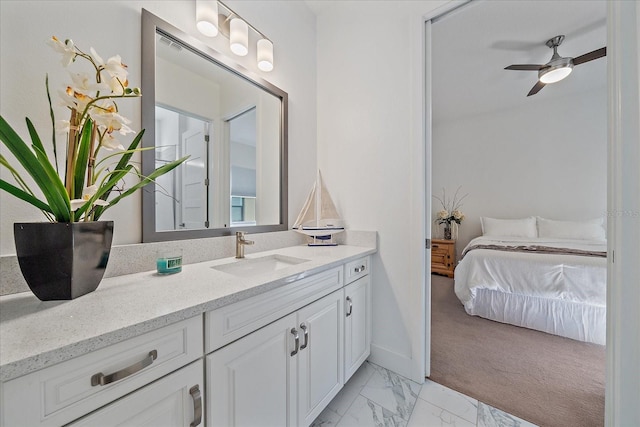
column 559, row 294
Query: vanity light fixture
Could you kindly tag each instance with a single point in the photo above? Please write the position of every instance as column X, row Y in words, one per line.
column 239, row 37
column 265, row 55
column 207, row 17
column 237, row 30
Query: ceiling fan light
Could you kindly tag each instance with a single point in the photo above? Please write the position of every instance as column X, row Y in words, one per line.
column 558, row 69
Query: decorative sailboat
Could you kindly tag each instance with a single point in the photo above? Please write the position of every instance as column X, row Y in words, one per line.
column 319, row 218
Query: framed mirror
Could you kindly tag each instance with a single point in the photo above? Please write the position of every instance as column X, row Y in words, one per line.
column 229, row 121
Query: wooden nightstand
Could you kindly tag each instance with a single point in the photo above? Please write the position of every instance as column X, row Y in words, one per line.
column 443, row 256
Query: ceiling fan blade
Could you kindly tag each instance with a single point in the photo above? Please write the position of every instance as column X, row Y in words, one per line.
column 525, row 67
column 598, row 53
column 536, row 88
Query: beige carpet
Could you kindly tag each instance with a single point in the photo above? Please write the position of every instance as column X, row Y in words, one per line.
column 545, row 379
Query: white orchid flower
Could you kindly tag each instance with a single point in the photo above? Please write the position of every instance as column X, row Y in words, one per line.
column 116, row 68
column 96, row 58
column 87, row 194
column 63, row 126
column 118, row 86
column 113, row 66
column 67, row 49
column 83, row 82
column 111, row 121
column 74, row 99
column 109, row 142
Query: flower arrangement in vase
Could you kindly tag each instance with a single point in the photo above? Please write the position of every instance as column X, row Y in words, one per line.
column 450, row 212
column 95, row 165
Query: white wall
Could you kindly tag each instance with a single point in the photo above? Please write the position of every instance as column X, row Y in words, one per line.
column 113, row 27
column 368, row 55
column 543, row 158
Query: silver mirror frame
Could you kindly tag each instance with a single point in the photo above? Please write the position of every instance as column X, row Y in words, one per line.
column 151, row 25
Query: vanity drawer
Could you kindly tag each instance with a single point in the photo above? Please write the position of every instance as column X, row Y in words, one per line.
column 66, row 391
column 234, row 321
column 356, row 269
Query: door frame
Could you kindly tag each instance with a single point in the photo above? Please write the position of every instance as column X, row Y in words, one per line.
column 623, row 205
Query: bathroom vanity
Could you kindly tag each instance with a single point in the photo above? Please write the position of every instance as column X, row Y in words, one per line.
column 267, row 340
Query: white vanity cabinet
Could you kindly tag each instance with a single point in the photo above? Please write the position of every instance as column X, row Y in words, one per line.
column 65, row 392
column 283, row 374
column 276, row 358
column 174, row 400
column 357, row 327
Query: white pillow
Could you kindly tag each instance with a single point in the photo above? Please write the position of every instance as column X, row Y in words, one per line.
column 524, row 227
column 591, row 229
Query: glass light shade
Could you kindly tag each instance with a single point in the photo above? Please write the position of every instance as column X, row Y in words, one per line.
column 239, row 37
column 556, row 75
column 265, row 55
column 207, row 17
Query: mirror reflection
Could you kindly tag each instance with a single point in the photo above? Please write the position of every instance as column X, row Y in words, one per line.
column 233, row 128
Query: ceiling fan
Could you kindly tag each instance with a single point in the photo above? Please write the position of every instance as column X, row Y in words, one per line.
column 558, row 67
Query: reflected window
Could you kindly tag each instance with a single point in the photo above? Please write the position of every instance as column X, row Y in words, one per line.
column 242, row 150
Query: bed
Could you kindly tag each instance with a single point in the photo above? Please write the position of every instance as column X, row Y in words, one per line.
column 537, row 280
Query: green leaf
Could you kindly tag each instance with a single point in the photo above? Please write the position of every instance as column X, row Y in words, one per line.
column 55, row 189
column 124, row 161
column 35, row 139
column 23, row 195
column 53, row 124
column 41, row 171
column 144, row 181
column 82, row 159
column 113, row 179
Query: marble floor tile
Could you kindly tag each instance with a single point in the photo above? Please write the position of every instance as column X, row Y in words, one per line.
column 426, row 414
column 365, row 413
column 326, row 418
column 351, row 389
column 451, row 400
column 391, row 391
column 488, row 416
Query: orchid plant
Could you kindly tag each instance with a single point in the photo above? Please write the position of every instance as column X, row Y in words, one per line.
column 94, row 125
column 450, row 212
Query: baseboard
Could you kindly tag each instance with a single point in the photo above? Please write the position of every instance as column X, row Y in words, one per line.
column 389, row 359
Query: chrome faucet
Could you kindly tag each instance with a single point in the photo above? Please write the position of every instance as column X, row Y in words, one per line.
column 241, row 242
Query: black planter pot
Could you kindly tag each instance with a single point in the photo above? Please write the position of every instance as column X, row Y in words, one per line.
column 62, row 261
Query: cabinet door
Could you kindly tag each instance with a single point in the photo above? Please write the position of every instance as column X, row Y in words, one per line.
column 174, row 400
column 320, row 359
column 357, row 325
column 251, row 382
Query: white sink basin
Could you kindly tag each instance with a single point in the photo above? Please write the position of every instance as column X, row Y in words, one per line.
column 248, row 267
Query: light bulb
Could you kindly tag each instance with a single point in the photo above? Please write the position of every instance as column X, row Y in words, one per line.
column 239, row 37
column 265, row 55
column 207, row 17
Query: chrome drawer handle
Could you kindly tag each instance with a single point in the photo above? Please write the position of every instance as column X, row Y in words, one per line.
column 350, row 306
column 296, row 336
column 359, row 269
column 306, row 336
column 102, row 379
column 197, row 405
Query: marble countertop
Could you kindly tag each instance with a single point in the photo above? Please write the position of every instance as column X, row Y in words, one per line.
column 36, row 334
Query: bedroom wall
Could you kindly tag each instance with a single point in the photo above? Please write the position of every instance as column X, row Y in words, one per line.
column 546, row 158
column 113, row 27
